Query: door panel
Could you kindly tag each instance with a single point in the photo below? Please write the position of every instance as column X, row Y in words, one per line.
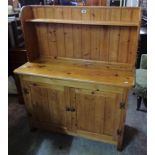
column 97, row 112
column 56, row 106
column 39, row 98
column 49, row 104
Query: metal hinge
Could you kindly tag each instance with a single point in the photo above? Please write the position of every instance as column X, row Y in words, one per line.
column 119, row 132
column 122, row 105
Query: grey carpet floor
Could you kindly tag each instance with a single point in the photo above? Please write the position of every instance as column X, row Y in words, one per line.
column 24, row 142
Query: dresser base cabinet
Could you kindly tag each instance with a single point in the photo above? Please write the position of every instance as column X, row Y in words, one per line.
column 80, row 68
column 91, row 113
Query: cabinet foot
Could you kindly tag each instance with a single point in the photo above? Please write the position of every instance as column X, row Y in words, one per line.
column 119, row 148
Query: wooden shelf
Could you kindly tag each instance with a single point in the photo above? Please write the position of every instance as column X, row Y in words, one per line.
column 112, row 23
column 77, row 71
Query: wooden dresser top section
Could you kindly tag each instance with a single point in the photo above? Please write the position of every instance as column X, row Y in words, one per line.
column 99, row 33
column 83, row 43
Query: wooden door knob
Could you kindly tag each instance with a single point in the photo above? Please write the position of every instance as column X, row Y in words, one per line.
column 72, row 109
column 67, row 109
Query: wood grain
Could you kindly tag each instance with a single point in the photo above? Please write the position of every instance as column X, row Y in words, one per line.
column 80, row 69
column 92, row 33
column 77, row 72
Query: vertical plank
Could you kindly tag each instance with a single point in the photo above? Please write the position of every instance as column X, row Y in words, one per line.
column 95, row 14
column 40, row 12
column 103, row 13
column 123, row 45
column 68, row 105
column 60, row 40
column 42, row 33
column 124, row 37
column 95, row 33
column 52, row 99
column 118, row 112
column 49, row 12
column 86, row 41
column 37, row 28
column 77, row 49
column 29, row 37
column 86, row 36
column 73, row 105
column 40, row 103
column 67, row 12
column 114, row 36
column 52, row 40
column 123, row 98
column 77, row 43
column 76, row 13
column 82, row 124
column 90, row 106
column 105, row 36
column 68, row 40
column 62, row 108
column 35, row 13
column 132, row 45
column 58, row 12
column 95, row 42
column 89, row 122
column 107, row 14
column 135, row 15
column 126, row 15
column 68, row 34
column 104, row 43
column 109, row 115
column 99, row 115
column 57, row 107
column 134, row 37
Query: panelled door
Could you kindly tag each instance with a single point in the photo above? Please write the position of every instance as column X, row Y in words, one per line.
column 76, row 110
column 98, row 112
column 48, row 104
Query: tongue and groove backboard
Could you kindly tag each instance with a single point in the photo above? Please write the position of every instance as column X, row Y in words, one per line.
column 108, row 34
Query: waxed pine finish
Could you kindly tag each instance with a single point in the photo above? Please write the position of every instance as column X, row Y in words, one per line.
column 80, row 68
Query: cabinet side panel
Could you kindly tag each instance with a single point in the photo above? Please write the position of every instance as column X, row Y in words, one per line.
column 26, row 91
column 132, row 45
column 29, row 32
column 122, row 120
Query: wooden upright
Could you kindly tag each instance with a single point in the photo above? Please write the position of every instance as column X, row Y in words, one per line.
column 81, row 67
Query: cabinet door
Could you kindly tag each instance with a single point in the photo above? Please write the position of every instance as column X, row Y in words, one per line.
column 48, row 104
column 98, row 112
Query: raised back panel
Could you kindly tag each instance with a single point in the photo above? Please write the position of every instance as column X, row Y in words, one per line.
column 108, row 34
